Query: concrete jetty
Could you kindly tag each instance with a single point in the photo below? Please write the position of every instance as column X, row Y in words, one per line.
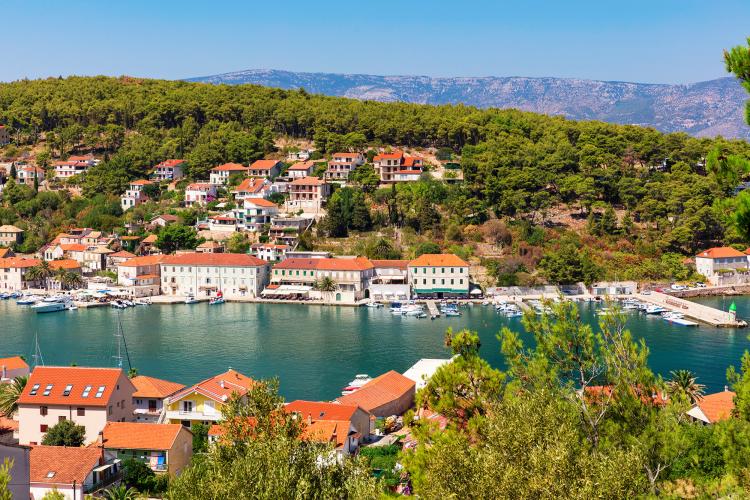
column 699, row 312
column 433, row 308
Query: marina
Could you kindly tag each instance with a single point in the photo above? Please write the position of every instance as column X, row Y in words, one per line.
column 315, row 359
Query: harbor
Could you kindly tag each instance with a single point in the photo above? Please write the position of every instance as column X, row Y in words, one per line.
column 315, row 359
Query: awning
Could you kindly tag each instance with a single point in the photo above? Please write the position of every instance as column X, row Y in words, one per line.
column 288, row 290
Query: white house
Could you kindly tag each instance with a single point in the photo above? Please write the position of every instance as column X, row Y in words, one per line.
column 301, row 169
column 199, row 193
column 269, row 252
column 26, row 175
column 72, row 472
column 723, row 266
column 397, row 167
column 439, row 276
column 220, row 175
column 134, row 195
column 169, row 170
column 342, row 164
column 308, row 193
column 265, row 168
column 205, row 274
column 252, row 187
column 255, row 213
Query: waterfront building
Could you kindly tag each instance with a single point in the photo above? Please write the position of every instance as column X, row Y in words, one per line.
column 134, row 195
column 220, row 175
column 397, row 167
column 11, row 368
column 723, row 266
column 308, row 193
column 342, row 164
column 301, row 169
column 149, row 396
column 141, row 275
column 386, row 395
column 351, row 275
column 199, row 193
column 255, row 213
column 712, row 408
column 203, row 401
column 13, row 273
column 90, row 258
column 265, row 168
column 10, row 235
column 205, row 274
column 252, row 187
column 439, row 276
column 269, row 252
column 164, row 448
column 89, row 397
column 391, row 280
column 27, row 174
column 72, row 472
column 169, row 170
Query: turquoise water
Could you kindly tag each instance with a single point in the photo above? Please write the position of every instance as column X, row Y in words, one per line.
column 315, row 351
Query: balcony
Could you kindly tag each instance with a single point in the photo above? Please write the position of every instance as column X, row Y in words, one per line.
column 214, row 416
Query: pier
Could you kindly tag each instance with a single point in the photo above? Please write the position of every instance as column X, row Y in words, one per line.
column 433, row 309
column 698, row 312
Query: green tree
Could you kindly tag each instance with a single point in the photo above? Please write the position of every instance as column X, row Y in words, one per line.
column 568, row 265
column 238, row 243
column 9, row 394
column 65, row 433
column 42, row 272
column 326, row 284
column 5, row 479
column 200, row 437
column 426, row 247
column 683, row 382
column 177, row 237
column 121, row 492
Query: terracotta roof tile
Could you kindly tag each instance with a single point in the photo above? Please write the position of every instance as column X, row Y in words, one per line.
column 261, row 202
column 321, row 411
column 79, row 377
column 331, row 264
column 379, row 391
column 308, row 181
column 302, row 165
column 13, row 363
column 146, row 260
column 390, row 263
column 720, row 253
column 438, row 259
column 264, row 164
column 230, row 167
column 214, row 259
column 67, row 464
column 718, row 406
column 123, row 253
column 141, row 182
column 150, row 387
column 140, row 435
column 250, row 185
column 69, row 264
column 220, row 387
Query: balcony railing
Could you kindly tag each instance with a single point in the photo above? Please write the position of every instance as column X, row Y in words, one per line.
column 193, row 415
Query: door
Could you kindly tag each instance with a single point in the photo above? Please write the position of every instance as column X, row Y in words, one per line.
column 152, row 405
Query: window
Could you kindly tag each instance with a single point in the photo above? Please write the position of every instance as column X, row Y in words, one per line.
column 67, row 390
column 452, row 281
column 461, row 281
column 451, row 270
column 442, row 270
column 61, row 418
column 47, row 390
column 81, row 412
column 42, row 410
column 34, row 390
column 99, row 392
column 109, row 410
column 43, row 428
column 442, row 281
column 86, row 391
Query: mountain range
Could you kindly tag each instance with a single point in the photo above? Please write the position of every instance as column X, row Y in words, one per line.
column 710, row 108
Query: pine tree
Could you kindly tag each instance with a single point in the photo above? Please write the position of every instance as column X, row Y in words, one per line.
column 13, row 172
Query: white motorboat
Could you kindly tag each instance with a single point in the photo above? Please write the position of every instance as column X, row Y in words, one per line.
column 59, row 305
column 654, row 309
column 55, row 298
column 190, row 299
column 413, row 311
column 359, row 380
column 28, row 300
column 374, row 304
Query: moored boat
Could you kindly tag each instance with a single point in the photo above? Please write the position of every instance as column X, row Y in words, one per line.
column 190, row 299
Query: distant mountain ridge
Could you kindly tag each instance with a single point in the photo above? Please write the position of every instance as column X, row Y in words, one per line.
column 710, row 108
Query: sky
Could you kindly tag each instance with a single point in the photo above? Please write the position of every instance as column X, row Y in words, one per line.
column 654, row 41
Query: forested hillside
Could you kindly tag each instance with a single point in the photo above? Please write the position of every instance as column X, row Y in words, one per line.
column 629, row 201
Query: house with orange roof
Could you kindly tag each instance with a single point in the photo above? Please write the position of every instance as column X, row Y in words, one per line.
column 11, row 368
column 141, row 275
column 308, row 193
column 252, row 187
column 397, row 167
column 210, row 246
column 13, row 273
column 220, row 175
column 163, row 220
column 389, row 394
column 439, row 276
column 169, row 170
column 713, row 408
column 116, row 258
column 89, row 397
column 265, row 168
column 301, row 169
column 27, row 174
column 254, row 213
column 203, row 401
column 10, row 235
column 358, row 418
column 207, row 274
column 723, row 266
column 199, row 193
column 342, row 164
column 134, row 195
column 149, row 396
column 164, row 448
column 6, row 252
column 296, row 276
column 270, row 252
column 73, row 472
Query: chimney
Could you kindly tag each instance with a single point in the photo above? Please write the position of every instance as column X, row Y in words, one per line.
column 309, row 419
column 726, row 387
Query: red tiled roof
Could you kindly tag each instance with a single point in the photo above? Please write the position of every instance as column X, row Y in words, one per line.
column 123, row 253
column 718, row 406
column 69, row 264
column 321, row 411
column 18, row 262
column 4, row 252
column 199, row 186
column 151, row 238
column 140, row 435
column 302, row 165
column 141, row 182
column 223, row 217
column 264, row 164
column 392, row 263
column 356, row 264
column 214, row 259
column 230, row 167
column 411, row 161
column 166, row 217
column 147, row 276
column 261, row 202
column 7, row 424
column 151, row 387
column 408, row 172
column 250, row 185
column 379, row 391
column 78, row 377
column 335, row 432
column 64, row 464
column 395, row 155
column 220, row 387
column 308, row 181
column 171, row 163
column 720, row 253
column 146, row 260
column 346, row 155
column 13, row 363
column 73, row 247
column 438, row 259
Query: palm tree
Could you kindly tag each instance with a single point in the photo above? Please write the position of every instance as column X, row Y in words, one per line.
column 41, row 272
column 69, row 279
column 684, row 382
column 9, row 394
column 121, row 493
column 326, row 284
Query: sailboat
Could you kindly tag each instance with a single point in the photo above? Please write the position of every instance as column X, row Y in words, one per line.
column 120, row 339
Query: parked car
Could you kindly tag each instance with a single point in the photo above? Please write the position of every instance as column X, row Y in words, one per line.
column 675, row 286
column 700, row 285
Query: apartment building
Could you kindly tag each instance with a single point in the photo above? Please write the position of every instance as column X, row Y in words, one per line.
column 397, row 167
column 342, row 164
column 255, row 213
column 308, row 193
column 205, row 274
column 149, row 396
column 169, row 170
column 220, row 175
column 199, row 193
column 351, row 275
column 439, row 276
column 265, row 168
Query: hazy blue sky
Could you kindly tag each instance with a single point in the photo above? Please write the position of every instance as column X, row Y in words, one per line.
column 634, row 40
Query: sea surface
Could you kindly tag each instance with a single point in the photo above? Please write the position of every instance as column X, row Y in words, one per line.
column 314, row 350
